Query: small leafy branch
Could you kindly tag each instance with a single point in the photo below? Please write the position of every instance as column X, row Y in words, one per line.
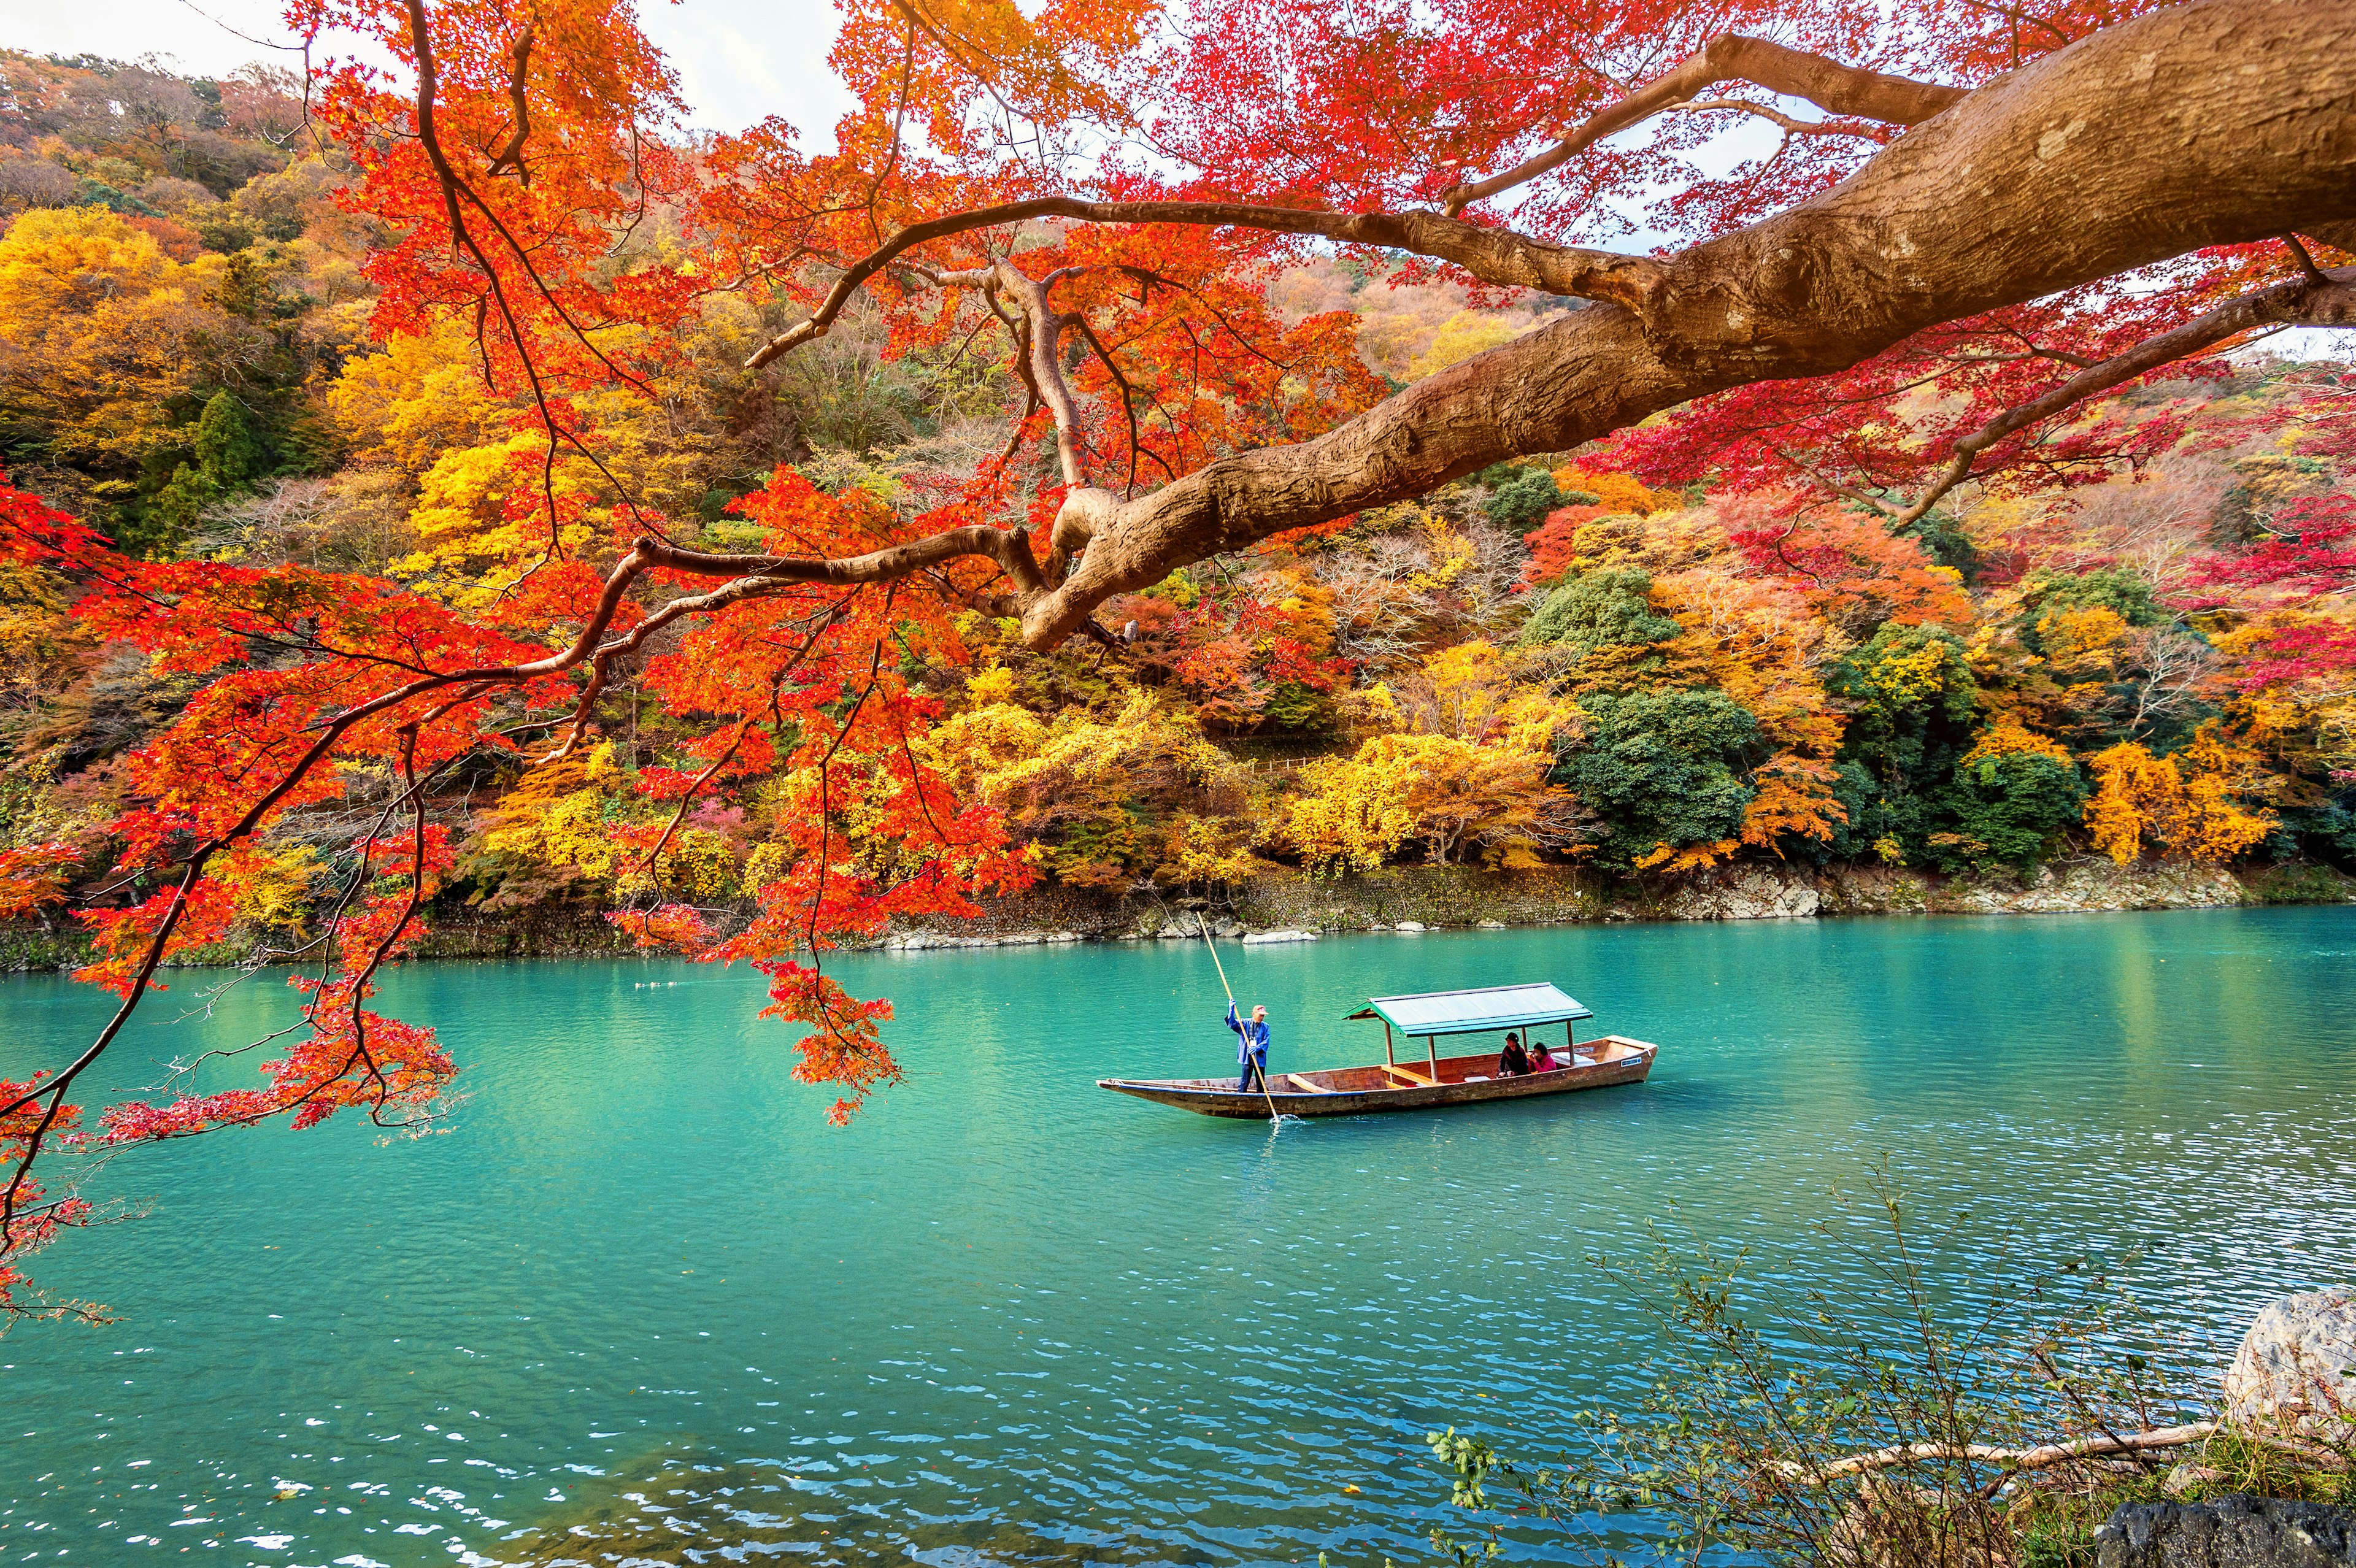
column 1905, row 1414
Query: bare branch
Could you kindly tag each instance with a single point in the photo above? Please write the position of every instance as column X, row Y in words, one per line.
column 2043, row 1457
column 1862, row 130
column 1837, row 88
column 510, row 158
column 2326, row 299
column 1493, row 255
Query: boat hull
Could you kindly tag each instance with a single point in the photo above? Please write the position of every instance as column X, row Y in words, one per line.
column 1410, row 1086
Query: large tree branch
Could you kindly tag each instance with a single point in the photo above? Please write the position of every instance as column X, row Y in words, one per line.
column 1834, row 88
column 2321, row 299
column 1009, row 548
column 1044, row 351
column 1493, row 255
column 2216, row 122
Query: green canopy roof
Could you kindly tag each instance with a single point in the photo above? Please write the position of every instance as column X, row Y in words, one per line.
column 1475, row 1012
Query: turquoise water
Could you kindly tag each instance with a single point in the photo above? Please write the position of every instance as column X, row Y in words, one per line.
column 640, row 1303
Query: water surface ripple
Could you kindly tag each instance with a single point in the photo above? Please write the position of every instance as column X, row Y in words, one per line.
column 640, row 1303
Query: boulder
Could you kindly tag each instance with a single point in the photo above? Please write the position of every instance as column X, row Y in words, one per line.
column 1259, row 937
column 2296, row 1368
column 1410, row 925
column 1746, row 893
column 2228, row 1533
column 932, row 940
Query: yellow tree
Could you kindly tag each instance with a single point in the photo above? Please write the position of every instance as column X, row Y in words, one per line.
column 2189, row 805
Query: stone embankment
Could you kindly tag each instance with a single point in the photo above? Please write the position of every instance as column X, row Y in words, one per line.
column 1290, row 907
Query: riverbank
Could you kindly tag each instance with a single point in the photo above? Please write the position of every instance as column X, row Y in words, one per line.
column 1409, row 899
column 1435, row 898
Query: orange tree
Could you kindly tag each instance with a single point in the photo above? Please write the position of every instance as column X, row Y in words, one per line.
column 1993, row 212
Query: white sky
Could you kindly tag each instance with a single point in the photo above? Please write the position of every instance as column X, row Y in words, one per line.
column 738, row 60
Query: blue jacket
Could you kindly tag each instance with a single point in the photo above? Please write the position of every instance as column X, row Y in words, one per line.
column 1254, row 1043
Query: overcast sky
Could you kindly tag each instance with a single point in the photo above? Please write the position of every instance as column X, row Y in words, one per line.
column 738, row 60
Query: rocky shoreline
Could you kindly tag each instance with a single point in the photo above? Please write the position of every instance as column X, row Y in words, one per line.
column 1290, row 907
column 1437, row 898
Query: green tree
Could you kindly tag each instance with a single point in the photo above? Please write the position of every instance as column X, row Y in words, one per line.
column 171, row 515
column 226, row 451
column 1913, row 706
column 224, row 232
column 2006, row 809
column 1519, row 497
column 1660, row 767
column 1600, row 610
column 1942, row 540
column 2112, row 588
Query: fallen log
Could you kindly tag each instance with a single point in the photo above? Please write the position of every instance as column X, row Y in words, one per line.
column 2037, row 1459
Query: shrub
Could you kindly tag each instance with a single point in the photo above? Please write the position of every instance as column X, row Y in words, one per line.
column 2010, row 800
column 1600, row 610
column 1662, row 768
column 1518, row 502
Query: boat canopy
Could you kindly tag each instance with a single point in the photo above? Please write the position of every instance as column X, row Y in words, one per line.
column 1475, row 1012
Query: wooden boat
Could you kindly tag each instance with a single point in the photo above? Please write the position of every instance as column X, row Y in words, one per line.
column 1437, row 1081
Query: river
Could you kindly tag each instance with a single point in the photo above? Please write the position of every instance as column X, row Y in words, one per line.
column 639, row 1303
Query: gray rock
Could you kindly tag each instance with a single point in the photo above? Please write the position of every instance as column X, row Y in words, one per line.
column 1410, row 925
column 1259, row 938
column 1746, row 893
column 2228, row 1533
column 2296, row 1368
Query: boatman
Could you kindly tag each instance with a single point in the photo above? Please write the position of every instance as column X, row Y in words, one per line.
column 1251, row 1048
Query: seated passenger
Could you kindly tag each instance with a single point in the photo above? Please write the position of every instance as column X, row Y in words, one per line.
column 1541, row 1059
column 1512, row 1062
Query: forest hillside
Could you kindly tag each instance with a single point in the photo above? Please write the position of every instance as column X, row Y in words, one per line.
column 2142, row 645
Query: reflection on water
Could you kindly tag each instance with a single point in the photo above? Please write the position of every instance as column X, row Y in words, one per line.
column 675, row 1509
column 641, row 1305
